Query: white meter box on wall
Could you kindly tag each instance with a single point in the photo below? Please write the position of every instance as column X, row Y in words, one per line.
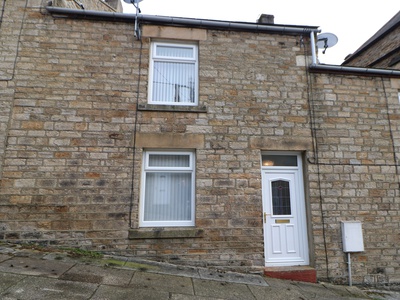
column 352, row 236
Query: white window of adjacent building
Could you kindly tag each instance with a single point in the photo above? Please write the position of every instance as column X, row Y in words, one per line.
column 173, row 74
column 168, row 183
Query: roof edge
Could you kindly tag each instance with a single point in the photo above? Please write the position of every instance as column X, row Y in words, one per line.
column 178, row 21
column 376, row 37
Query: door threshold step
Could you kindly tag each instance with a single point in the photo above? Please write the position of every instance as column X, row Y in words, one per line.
column 297, row 273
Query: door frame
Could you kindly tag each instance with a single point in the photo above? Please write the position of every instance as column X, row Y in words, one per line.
column 301, row 215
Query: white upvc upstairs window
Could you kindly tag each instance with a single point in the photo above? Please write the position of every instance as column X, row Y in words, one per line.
column 173, row 74
column 167, row 189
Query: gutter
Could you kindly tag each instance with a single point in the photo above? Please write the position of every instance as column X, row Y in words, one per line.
column 174, row 21
column 316, row 67
column 354, row 70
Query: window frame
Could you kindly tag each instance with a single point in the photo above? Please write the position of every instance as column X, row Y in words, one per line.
column 154, row 58
column 146, row 169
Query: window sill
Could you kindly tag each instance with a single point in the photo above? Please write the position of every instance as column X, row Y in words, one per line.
column 165, row 233
column 174, row 108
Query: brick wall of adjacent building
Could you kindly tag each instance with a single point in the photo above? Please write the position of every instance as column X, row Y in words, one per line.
column 72, row 159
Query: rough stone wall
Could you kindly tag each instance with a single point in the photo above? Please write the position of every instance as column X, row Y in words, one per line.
column 10, row 26
column 70, row 162
column 106, row 5
column 67, row 170
column 385, row 46
column 249, row 109
column 357, row 146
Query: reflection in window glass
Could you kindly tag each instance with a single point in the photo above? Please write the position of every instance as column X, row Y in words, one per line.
column 279, row 160
column 174, row 51
column 169, row 160
column 173, row 82
column 280, row 197
column 173, row 74
column 168, row 195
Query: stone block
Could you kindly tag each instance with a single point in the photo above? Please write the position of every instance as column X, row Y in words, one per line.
column 21, row 199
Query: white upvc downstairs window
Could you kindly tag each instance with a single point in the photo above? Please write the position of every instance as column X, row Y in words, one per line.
column 167, row 197
column 173, row 74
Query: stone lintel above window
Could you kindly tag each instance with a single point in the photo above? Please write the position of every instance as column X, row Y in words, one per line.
column 176, row 33
column 168, row 140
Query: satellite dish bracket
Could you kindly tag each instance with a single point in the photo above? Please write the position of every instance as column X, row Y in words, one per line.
column 326, row 40
column 135, row 3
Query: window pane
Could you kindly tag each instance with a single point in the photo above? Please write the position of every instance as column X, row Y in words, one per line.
column 168, row 196
column 279, row 160
column 174, row 51
column 280, row 197
column 174, row 82
column 168, row 160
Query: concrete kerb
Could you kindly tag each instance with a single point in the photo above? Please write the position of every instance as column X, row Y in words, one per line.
column 194, row 272
column 55, row 263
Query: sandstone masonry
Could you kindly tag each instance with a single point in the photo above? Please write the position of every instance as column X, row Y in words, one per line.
column 75, row 123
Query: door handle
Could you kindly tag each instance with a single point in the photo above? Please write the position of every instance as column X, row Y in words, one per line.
column 265, row 217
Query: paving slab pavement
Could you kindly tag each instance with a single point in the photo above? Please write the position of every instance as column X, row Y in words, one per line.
column 36, row 287
column 35, row 267
column 99, row 275
column 28, row 274
column 105, row 292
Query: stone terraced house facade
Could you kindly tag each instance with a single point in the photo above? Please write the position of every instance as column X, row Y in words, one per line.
column 208, row 143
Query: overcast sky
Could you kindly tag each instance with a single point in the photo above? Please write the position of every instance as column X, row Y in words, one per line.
column 352, row 21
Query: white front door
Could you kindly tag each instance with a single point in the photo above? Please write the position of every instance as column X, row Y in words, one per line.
column 285, row 230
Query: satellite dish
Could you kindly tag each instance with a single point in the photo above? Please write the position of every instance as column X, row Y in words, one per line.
column 132, row 1
column 325, row 40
